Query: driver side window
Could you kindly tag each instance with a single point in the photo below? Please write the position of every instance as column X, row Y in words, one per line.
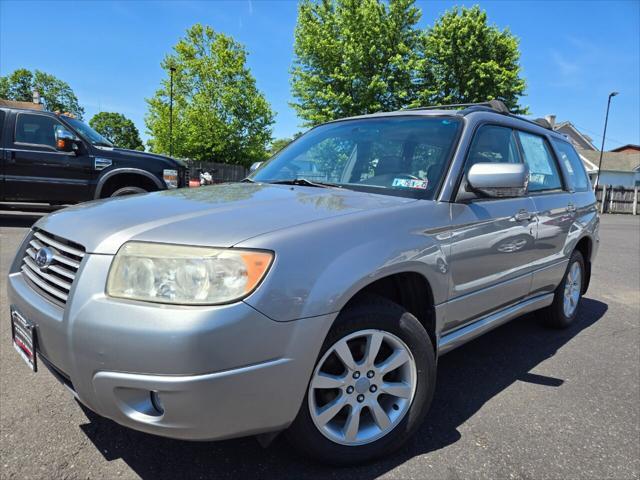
column 493, row 144
column 37, row 129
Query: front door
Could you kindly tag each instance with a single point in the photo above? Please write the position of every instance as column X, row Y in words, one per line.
column 36, row 171
column 492, row 239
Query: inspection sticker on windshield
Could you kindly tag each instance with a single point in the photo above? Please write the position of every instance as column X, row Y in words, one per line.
column 410, row 183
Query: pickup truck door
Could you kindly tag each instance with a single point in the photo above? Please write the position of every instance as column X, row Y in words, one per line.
column 36, row 171
column 492, row 240
column 3, row 121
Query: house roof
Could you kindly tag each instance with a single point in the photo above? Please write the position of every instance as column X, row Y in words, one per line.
column 613, row 161
column 24, row 105
column 627, row 147
column 570, row 129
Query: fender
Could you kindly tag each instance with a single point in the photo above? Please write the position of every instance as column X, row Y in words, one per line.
column 117, row 171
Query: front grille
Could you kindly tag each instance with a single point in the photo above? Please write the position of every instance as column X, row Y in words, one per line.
column 53, row 281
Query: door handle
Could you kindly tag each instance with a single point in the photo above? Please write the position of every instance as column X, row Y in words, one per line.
column 571, row 208
column 522, row 215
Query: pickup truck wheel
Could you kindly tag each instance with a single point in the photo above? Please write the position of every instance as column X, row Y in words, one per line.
column 564, row 310
column 127, row 191
column 371, row 386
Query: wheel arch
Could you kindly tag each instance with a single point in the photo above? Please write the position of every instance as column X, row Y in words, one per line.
column 585, row 247
column 113, row 176
column 409, row 289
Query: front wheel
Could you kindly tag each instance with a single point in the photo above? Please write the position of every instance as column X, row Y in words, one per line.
column 564, row 310
column 370, row 388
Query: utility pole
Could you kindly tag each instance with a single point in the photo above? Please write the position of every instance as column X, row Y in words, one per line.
column 606, row 119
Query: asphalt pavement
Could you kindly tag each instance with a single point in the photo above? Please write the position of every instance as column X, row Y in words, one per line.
column 520, row 402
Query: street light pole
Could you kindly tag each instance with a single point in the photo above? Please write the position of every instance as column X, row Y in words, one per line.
column 171, row 70
column 606, row 119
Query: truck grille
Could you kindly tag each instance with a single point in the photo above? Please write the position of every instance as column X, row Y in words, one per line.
column 54, row 279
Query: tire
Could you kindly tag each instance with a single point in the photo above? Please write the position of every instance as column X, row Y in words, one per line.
column 402, row 335
column 560, row 314
column 127, row 191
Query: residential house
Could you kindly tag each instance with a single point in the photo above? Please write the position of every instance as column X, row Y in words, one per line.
column 16, row 104
column 579, row 140
column 628, row 148
column 618, row 168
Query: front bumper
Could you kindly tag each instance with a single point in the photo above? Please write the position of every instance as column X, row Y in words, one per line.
column 215, row 372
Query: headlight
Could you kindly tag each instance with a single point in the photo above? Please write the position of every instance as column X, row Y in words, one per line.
column 177, row 274
column 170, row 178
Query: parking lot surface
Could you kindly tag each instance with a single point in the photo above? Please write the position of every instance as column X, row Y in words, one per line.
column 520, row 402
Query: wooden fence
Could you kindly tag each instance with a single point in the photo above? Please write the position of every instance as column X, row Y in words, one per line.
column 221, row 172
column 618, row 200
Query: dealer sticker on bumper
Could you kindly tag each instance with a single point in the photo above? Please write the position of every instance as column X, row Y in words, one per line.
column 24, row 339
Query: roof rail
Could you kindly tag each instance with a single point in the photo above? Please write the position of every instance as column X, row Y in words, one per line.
column 495, row 105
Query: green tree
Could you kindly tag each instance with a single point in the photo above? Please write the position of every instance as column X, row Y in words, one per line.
column 55, row 94
column 466, row 60
column 219, row 114
column 277, row 145
column 118, row 129
column 354, row 57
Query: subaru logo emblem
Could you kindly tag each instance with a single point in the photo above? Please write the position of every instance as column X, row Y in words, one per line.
column 44, row 257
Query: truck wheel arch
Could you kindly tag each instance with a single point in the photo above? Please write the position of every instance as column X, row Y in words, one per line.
column 112, row 176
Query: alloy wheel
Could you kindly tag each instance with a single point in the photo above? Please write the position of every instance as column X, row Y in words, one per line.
column 572, row 288
column 362, row 387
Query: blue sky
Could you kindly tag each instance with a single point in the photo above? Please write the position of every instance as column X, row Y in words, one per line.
column 573, row 52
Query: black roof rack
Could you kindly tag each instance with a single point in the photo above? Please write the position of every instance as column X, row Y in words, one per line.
column 495, row 105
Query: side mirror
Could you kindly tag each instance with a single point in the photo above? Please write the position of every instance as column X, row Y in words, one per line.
column 498, row 179
column 65, row 141
column 254, row 166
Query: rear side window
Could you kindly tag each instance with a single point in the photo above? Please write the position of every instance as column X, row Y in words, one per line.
column 493, row 144
column 37, row 129
column 573, row 166
column 543, row 171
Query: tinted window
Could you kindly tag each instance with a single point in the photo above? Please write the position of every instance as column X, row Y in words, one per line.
column 543, row 171
column 573, row 166
column 404, row 156
column 493, row 144
column 1, row 124
column 37, row 129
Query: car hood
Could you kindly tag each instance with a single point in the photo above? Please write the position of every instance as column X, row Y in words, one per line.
column 125, row 153
column 218, row 215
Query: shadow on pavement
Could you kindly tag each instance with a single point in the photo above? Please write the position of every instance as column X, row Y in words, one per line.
column 491, row 363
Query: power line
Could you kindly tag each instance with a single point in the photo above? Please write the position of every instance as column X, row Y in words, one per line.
column 609, row 139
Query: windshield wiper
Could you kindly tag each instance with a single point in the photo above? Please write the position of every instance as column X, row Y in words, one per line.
column 303, row 182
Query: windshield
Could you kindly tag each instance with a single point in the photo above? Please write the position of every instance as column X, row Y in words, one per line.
column 88, row 133
column 403, row 156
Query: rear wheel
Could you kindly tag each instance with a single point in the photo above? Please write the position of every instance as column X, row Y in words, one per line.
column 370, row 388
column 564, row 309
column 131, row 190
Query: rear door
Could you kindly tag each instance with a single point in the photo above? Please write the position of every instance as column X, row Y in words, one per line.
column 492, row 239
column 36, row 171
column 554, row 208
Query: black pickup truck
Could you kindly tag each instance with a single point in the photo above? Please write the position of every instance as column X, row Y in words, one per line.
column 56, row 159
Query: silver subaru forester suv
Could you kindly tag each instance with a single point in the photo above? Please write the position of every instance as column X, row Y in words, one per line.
column 316, row 296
